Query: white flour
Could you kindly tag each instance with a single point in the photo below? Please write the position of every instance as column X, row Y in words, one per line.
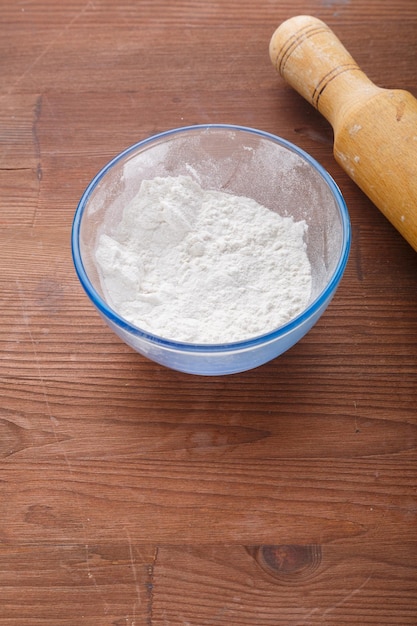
column 202, row 266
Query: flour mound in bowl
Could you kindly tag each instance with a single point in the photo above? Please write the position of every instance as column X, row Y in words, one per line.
column 203, row 266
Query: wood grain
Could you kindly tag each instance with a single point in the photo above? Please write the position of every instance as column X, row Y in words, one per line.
column 135, row 495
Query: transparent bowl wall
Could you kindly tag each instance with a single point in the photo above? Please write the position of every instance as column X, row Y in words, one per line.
column 240, row 161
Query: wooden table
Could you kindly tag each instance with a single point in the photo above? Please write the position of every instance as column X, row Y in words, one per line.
column 139, row 496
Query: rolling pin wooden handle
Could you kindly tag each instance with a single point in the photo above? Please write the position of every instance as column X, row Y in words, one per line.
column 375, row 129
column 310, row 57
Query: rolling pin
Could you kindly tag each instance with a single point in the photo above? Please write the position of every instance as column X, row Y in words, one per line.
column 375, row 129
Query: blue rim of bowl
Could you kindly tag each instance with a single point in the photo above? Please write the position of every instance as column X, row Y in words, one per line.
column 268, row 337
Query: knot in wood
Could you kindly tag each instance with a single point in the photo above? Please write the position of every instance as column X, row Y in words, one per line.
column 289, row 563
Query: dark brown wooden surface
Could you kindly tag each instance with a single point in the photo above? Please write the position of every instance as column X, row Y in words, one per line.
column 132, row 495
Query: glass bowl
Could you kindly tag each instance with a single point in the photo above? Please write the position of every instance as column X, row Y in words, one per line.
column 244, row 162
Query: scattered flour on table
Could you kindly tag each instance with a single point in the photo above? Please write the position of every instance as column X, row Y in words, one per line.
column 203, row 266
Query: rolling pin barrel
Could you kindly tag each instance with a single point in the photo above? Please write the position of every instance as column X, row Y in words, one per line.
column 375, row 129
